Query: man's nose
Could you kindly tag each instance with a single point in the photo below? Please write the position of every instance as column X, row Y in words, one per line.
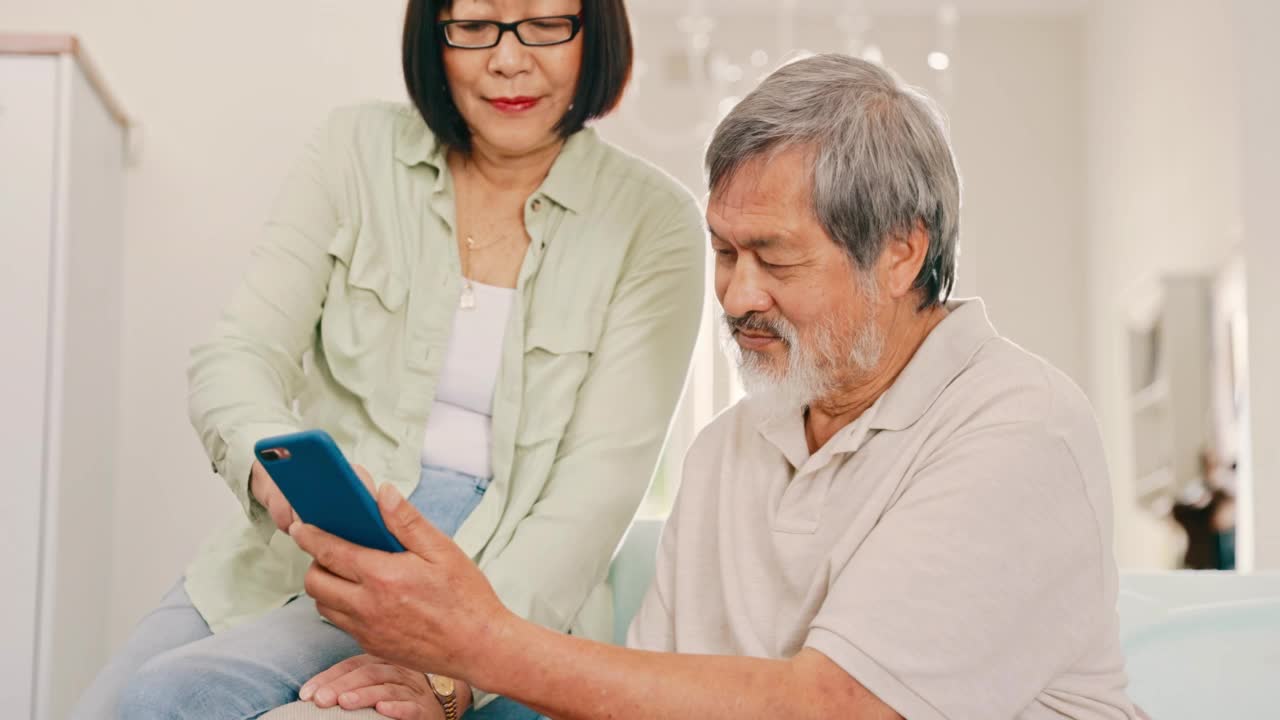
column 742, row 292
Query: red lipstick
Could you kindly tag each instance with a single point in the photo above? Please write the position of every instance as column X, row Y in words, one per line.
column 513, row 104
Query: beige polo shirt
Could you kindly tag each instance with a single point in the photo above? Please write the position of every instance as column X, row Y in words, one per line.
column 950, row 549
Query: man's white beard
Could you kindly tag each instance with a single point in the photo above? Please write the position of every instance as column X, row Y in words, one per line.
column 815, row 366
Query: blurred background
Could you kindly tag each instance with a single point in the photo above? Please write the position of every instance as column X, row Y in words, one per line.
column 1120, row 164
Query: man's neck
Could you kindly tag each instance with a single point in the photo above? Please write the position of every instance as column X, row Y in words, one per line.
column 906, row 332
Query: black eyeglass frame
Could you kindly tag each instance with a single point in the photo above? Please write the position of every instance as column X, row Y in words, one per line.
column 513, row 27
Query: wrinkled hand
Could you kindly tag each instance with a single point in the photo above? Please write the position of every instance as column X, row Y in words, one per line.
column 365, row 681
column 429, row 608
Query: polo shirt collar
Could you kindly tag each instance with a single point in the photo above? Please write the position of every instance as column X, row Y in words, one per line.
column 939, row 360
column 943, row 355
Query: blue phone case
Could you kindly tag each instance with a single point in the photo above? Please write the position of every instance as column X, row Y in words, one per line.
column 323, row 488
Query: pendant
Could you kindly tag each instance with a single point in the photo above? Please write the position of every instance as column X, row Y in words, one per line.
column 468, row 301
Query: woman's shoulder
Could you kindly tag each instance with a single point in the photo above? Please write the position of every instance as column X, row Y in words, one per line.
column 624, row 179
column 374, row 128
column 372, row 115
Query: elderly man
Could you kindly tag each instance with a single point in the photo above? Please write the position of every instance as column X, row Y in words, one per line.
column 908, row 516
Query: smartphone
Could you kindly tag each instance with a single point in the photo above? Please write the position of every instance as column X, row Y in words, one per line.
column 324, row 489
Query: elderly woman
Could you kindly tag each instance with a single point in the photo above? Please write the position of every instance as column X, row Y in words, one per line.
column 485, row 304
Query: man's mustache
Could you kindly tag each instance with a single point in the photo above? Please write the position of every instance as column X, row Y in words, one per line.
column 756, row 322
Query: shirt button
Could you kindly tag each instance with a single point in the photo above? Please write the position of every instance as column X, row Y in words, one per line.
column 537, row 204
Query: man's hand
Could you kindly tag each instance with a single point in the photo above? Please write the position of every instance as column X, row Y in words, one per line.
column 264, row 490
column 366, row 681
column 429, row 608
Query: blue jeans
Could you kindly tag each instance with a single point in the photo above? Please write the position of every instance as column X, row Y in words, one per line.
column 173, row 667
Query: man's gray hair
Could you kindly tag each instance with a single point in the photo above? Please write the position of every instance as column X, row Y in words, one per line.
column 882, row 161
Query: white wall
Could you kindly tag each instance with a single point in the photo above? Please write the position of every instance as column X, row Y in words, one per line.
column 1163, row 195
column 1019, row 135
column 1257, row 21
column 226, row 90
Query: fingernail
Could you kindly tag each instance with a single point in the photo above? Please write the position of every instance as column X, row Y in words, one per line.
column 391, row 496
column 305, row 693
column 347, row 698
column 294, row 527
column 324, row 697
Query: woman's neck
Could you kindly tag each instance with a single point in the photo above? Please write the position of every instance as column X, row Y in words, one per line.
column 504, row 172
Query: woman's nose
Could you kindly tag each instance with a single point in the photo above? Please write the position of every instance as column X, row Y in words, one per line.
column 510, row 57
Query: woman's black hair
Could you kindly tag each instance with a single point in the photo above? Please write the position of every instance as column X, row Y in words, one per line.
column 606, row 68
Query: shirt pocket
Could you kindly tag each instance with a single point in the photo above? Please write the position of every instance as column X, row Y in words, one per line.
column 370, row 268
column 556, row 361
column 362, row 324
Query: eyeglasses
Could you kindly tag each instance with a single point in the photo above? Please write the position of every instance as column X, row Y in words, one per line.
column 534, row 32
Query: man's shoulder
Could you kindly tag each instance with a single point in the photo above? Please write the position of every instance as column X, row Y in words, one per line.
column 732, row 437
column 1014, row 402
column 733, row 425
column 1005, row 384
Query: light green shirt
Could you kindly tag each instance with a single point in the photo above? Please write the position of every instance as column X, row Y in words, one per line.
column 342, row 323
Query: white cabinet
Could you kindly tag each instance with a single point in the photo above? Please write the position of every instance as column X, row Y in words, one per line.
column 62, row 146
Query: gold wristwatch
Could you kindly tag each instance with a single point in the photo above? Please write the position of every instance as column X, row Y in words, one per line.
column 446, row 692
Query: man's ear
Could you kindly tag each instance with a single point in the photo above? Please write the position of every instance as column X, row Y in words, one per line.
column 900, row 262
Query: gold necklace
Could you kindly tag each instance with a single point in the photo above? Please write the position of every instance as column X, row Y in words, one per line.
column 468, row 300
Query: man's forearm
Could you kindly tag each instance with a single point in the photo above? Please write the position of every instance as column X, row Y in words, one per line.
column 570, row 678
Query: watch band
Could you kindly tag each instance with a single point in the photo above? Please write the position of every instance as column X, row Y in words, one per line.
column 450, row 706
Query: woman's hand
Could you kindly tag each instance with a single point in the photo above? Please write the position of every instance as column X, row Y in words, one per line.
column 365, row 681
column 265, row 491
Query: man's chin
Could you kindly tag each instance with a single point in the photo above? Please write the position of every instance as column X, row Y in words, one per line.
column 776, row 390
column 759, row 371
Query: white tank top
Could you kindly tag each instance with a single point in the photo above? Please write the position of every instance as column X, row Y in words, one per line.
column 459, row 433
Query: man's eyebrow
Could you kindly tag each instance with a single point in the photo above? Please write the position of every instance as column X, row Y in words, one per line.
column 754, row 243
